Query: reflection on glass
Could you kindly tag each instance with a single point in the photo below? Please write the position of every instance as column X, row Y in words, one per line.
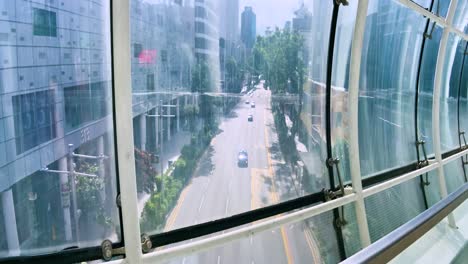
column 449, row 93
column 309, row 241
column 339, row 88
column 393, row 207
column 57, row 167
column 460, row 19
column 454, row 175
column 228, row 107
column 392, row 43
column 426, row 89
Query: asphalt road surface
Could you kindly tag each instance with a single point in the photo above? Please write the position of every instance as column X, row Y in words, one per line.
column 221, row 188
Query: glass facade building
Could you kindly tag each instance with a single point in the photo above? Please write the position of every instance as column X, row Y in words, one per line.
column 234, row 120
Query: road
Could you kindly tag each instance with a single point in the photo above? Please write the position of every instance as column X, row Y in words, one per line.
column 220, row 188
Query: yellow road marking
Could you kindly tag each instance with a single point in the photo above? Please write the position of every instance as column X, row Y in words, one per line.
column 172, row 218
column 274, row 195
column 310, row 242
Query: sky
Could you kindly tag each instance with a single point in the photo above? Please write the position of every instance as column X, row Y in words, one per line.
column 271, row 13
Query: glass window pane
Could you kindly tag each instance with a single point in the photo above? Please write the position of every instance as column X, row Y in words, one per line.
column 235, row 117
column 339, row 82
column 460, row 20
column 51, row 113
column 426, row 88
column 393, row 207
column 449, row 93
column 455, row 174
column 390, row 57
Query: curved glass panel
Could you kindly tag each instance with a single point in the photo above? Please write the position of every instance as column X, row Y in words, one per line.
column 463, row 97
column 57, row 163
column 339, row 87
column 389, row 209
column 426, row 89
column 460, row 20
column 392, row 43
column 449, row 93
column 228, row 106
column 454, row 175
column 313, row 117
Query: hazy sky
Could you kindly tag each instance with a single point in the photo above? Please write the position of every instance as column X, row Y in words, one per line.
column 271, row 13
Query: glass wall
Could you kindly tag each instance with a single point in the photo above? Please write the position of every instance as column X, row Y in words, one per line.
column 221, row 126
column 449, row 93
column 229, row 115
column 57, row 167
column 426, row 88
column 390, row 58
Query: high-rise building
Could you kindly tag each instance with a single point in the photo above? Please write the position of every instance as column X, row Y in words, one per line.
column 207, row 43
column 248, row 27
column 229, row 24
column 228, row 35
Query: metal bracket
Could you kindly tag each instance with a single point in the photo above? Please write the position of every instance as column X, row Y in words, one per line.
column 343, row 2
column 425, row 162
column 118, row 201
column 330, row 195
column 108, row 252
column 425, row 182
column 461, row 136
column 146, row 243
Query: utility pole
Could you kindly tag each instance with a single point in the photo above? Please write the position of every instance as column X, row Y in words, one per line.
column 72, row 180
column 159, row 115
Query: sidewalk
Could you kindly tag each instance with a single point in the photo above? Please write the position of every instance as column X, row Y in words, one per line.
column 171, row 152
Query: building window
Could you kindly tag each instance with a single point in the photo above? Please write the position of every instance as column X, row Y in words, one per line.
column 137, row 48
column 160, row 20
column 201, row 43
column 84, row 103
column 34, row 119
column 150, row 82
column 45, row 23
column 163, row 55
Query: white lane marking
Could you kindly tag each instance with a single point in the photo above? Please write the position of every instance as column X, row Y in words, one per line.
column 183, row 260
column 219, row 259
column 227, row 206
column 201, row 203
column 251, row 239
column 391, row 123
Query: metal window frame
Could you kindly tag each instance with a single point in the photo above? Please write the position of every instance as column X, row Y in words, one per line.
column 331, row 174
column 436, row 105
column 120, row 35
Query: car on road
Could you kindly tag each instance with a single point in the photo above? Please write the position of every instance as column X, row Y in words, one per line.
column 247, row 102
column 243, row 159
column 252, row 104
column 250, row 118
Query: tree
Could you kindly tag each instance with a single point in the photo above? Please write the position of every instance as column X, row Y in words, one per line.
column 234, row 76
column 202, row 83
column 146, row 173
column 278, row 59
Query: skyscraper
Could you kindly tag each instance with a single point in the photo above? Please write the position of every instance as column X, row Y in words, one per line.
column 248, row 27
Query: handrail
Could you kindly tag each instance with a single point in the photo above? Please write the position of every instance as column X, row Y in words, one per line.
column 389, row 246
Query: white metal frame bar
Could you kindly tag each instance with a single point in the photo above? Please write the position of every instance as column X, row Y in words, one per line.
column 439, row 20
column 123, row 111
column 353, row 102
column 123, row 106
column 436, row 105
